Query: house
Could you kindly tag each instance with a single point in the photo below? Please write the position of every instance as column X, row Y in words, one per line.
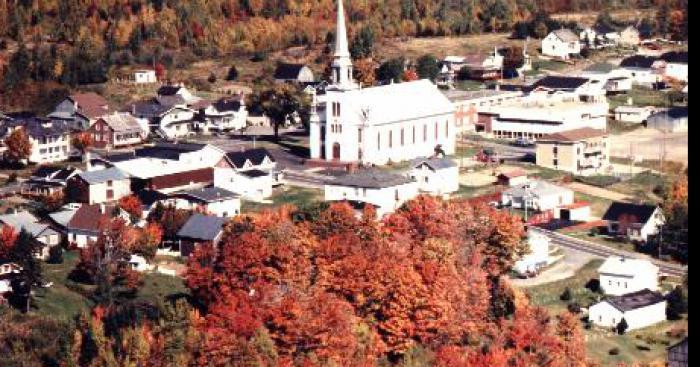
column 95, row 187
column 468, row 104
column 678, row 354
column 149, row 199
column 214, row 200
column 139, row 263
column 383, row 190
column 635, row 114
column 629, row 36
column 576, row 212
column 117, row 130
column 635, row 221
column 542, row 113
column 175, row 92
column 561, row 43
column 676, row 65
column 48, row 180
column 639, row 309
column 512, row 178
column 144, row 76
column 41, row 232
column 51, row 139
column 621, row 275
column 8, row 270
column 435, row 176
column 198, row 230
column 377, row 125
column 583, row 89
column 484, row 66
column 643, row 70
column 169, row 167
column 253, row 175
column 83, row 223
column 671, row 120
column 537, row 195
column 224, row 115
column 168, row 120
column 599, row 36
column 81, row 110
column 613, row 79
column 294, row 73
column 537, row 256
column 583, row 151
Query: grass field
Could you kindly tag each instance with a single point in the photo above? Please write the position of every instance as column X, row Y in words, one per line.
column 645, row 345
column 642, row 186
column 641, row 96
column 285, row 195
column 65, row 299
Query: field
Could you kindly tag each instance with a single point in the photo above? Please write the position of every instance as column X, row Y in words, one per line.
column 297, row 196
column 65, row 298
column 645, row 345
column 650, row 144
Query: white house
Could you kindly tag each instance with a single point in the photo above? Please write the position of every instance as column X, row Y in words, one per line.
column 214, row 200
column 377, row 125
column 144, row 76
column 676, row 65
column 100, row 186
column 8, row 270
column 561, row 43
column 629, row 36
column 639, row 309
column 537, row 195
column 50, row 138
column 83, row 223
column 253, row 174
column 621, row 275
column 635, row 221
column 613, row 79
column 139, row 263
column 538, row 255
column 636, row 114
column 41, row 232
column 383, row 190
column 224, row 115
column 643, row 70
column 436, row 176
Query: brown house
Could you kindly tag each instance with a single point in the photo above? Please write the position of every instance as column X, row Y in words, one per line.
column 116, row 130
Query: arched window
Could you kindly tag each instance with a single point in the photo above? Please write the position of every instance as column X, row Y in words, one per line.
column 402, row 137
column 391, row 138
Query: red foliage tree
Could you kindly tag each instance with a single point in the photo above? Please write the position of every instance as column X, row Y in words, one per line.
column 132, row 205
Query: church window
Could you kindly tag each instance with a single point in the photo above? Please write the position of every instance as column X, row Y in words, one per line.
column 447, row 129
column 425, row 132
column 402, row 137
column 359, row 135
column 414, row 134
column 391, row 139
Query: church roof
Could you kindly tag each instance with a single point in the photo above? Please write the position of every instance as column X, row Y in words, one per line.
column 397, row 102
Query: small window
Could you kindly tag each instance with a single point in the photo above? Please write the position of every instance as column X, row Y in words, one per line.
column 109, row 183
column 391, row 139
column 402, row 142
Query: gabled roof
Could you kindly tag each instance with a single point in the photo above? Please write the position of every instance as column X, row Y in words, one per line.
column 574, row 135
column 566, row 35
column 202, row 227
column 90, row 217
column 536, row 188
column 90, row 105
column 638, row 61
column 207, row 194
column 171, row 100
column 253, row 173
column 231, row 104
column 53, row 173
column 122, row 122
column 371, row 179
column 45, row 171
column 635, row 300
column 602, row 28
column 640, row 213
column 560, row 82
column 149, row 108
column 617, row 265
column 286, row 71
column 675, row 57
column 255, row 156
column 103, row 175
column 168, row 150
column 168, row 90
column 433, row 163
column 37, row 127
column 28, row 222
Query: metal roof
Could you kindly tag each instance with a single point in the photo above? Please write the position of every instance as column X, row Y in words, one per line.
column 202, row 227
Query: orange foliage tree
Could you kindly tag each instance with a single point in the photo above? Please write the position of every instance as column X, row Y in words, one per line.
column 132, row 205
column 19, row 147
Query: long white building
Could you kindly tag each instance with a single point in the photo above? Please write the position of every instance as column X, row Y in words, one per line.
column 377, row 125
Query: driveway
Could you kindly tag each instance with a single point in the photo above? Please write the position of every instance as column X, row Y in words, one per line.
column 566, row 267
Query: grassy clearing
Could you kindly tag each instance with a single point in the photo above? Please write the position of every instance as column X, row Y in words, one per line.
column 473, row 191
column 285, row 195
column 643, row 186
column 65, row 299
column 619, row 127
column 470, row 85
column 645, row 345
column 667, row 167
column 551, row 65
column 641, row 96
column 598, row 205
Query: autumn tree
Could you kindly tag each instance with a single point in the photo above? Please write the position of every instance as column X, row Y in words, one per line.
column 280, row 103
column 409, row 75
column 427, row 67
column 19, row 147
column 132, row 205
column 82, row 141
column 362, row 44
column 364, row 72
column 23, row 254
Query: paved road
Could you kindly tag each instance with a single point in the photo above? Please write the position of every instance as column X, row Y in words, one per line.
column 503, row 148
column 593, row 248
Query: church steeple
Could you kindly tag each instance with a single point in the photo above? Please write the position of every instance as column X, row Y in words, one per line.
column 342, row 64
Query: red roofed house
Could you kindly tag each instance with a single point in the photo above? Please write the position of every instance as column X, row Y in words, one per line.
column 513, row 178
column 82, row 109
column 82, row 225
column 117, row 130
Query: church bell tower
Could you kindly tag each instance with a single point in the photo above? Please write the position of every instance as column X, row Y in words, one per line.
column 342, row 64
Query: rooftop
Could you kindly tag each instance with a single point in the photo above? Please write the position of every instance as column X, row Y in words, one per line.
column 536, row 188
column 575, row 135
column 208, row 194
column 91, row 105
column 287, row 71
column 463, row 95
column 639, row 61
column 37, row 127
column 636, row 213
column 371, row 178
column 28, row 222
column 103, row 175
column 566, row 35
column 617, row 265
column 560, row 82
column 202, row 227
column 434, row 163
column 122, row 122
column 635, row 300
column 254, row 156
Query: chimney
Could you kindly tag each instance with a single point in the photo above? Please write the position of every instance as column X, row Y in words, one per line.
column 88, row 158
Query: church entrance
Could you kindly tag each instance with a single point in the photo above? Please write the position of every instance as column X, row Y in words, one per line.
column 336, row 151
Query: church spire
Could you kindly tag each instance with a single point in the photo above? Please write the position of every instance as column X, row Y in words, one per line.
column 342, row 65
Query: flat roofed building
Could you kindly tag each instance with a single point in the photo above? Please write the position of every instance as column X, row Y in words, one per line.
column 582, row 151
column 468, row 104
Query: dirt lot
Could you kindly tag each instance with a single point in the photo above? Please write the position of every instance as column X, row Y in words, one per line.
column 485, row 177
column 648, row 144
column 597, row 191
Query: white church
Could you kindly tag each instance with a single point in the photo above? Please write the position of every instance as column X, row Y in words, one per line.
column 378, row 125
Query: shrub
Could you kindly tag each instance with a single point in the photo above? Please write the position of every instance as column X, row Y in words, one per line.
column 55, row 255
column 622, row 326
column 614, row 351
column 566, row 295
column 212, row 78
column 12, row 178
column 574, row 307
column 593, row 285
column 232, row 73
column 677, row 303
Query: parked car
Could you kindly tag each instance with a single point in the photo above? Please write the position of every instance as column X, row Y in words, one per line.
column 524, row 142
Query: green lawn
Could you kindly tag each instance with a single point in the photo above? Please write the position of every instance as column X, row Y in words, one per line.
column 642, row 186
column 65, row 298
column 285, row 195
column 472, row 191
column 552, row 65
column 469, row 85
column 641, row 96
column 632, row 346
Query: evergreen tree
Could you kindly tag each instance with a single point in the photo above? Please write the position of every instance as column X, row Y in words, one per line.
column 24, row 255
column 391, row 70
column 363, row 43
column 622, row 326
column 427, row 67
column 18, row 69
